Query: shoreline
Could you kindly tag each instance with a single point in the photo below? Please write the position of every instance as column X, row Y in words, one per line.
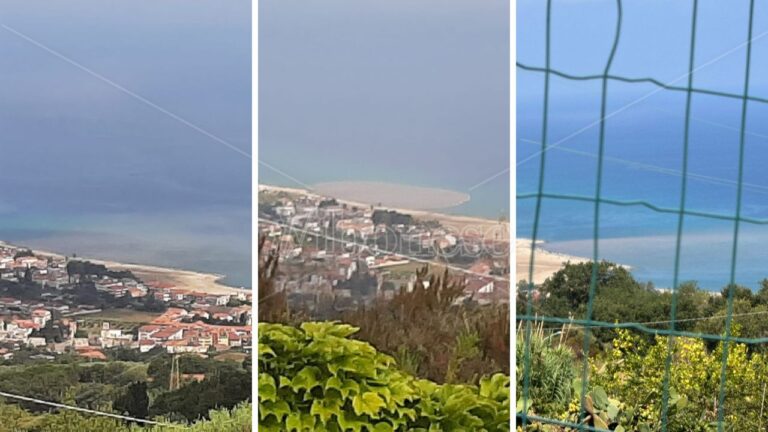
column 187, row 279
column 451, row 222
column 545, row 264
column 429, row 199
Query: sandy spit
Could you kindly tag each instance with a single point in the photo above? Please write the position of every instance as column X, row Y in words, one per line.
column 545, row 263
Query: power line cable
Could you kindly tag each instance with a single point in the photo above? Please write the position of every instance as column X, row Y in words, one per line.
column 86, row 410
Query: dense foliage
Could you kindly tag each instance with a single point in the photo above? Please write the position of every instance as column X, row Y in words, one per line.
column 139, row 389
column 627, row 368
column 315, row 378
column 15, row 419
column 336, row 377
column 226, row 387
column 428, row 331
column 551, row 378
column 432, row 337
column 86, row 268
column 134, row 401
column 627, row 382
column 92, row 386
column 391, row 217
column 620, row 298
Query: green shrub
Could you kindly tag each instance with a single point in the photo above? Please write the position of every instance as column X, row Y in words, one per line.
column 314, row 378
column 551, row 374
column 15, row 419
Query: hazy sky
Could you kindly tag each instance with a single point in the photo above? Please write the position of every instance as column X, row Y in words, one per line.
column 388, row 90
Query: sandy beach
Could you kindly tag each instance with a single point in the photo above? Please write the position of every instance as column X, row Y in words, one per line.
column 545, row 262
column 187, row 279
column 455, row 223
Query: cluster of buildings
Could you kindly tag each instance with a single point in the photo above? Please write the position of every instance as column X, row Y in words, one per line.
column 30, row 324
column 335, row 257
column 16, row 264
column 167, row 292
column 179, row 331
column 204, row 329
column 53, row 322
column 50, row 273
column 314, row 214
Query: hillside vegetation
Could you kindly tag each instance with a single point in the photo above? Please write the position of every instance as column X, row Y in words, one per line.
column 15, row 419
column 627, row 367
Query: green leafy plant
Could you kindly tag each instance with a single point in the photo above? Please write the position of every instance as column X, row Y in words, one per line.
column 603, row 412
column 314, row 378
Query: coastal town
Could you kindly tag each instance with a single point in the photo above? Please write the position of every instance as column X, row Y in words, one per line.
column 337, row 256
column 52, row 305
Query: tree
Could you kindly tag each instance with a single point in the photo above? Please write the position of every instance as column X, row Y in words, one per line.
column 228, row 386
column 134, row 401
column 151, row 303
column 572, row 284
column 273, row 305
column 739, row 293
column 24, row 253
column 762, row 294
column 248, row 363
column 28, row 275
column 87, row 294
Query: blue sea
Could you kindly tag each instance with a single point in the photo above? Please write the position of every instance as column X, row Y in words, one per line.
column 644, row 136
column 643, row 162
column 91, row 167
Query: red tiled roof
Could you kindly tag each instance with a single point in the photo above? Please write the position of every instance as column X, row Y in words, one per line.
column 98, row 355
column 166, row 332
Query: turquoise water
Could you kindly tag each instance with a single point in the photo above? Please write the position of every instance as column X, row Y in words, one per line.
column 209, row 241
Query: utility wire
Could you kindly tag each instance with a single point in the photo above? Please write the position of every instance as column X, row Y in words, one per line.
column 668, row 321
column 87, row 411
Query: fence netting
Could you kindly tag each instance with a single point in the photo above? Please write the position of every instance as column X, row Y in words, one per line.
column 529, row 320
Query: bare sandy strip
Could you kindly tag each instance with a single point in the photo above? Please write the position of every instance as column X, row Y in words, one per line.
column 545, row 263
column 392, row 195
column 454, row 223
column 186, row 279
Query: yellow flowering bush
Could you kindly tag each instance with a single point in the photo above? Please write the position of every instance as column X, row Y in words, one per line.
column 633, row 372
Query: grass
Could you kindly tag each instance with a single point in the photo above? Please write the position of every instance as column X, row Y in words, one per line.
column 123, row 319
column 405, row 271
column 232, row 356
